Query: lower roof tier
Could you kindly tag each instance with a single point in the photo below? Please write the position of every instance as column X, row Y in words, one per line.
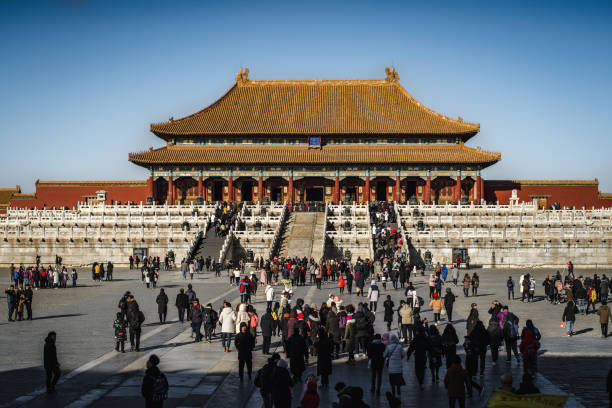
column 331, row 154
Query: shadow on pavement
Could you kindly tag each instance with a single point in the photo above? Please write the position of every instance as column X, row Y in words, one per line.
column 59, row 316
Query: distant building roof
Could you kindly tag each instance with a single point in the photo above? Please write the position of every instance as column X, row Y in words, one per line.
column 325, row 107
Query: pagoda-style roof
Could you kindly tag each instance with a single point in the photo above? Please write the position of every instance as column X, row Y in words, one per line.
column 330, row 154
column 316, row 107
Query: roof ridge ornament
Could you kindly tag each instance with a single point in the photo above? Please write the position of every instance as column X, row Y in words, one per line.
column 243, row 76
column 392, row 75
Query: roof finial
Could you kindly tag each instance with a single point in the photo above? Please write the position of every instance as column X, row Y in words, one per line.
column 392, row 76
column 243, row 76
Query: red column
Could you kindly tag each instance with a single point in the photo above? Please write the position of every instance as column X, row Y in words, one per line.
column 170, row 197
column 480, row 189
column 458, row 189
column 260, row 189
column 427, row 190
column 337, row 190
column 366, row 193
column 230, row 189
column 290, row 190
column 200, row 187
column 150, row 187
column 397, row 189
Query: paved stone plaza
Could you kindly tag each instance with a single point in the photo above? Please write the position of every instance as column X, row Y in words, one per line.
column 201, row 375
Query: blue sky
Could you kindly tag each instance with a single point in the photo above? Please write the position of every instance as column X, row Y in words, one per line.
column 82, row 80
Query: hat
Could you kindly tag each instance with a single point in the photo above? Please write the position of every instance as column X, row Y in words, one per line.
column 435, row 295
column 473, row 304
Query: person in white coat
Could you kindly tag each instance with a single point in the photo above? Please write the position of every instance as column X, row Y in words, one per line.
column 395, row 354
column 373, row 293
column 269, row 296
column 242, row 317
column 227, row 318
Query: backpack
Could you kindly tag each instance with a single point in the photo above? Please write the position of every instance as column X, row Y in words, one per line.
column 342, row 321
column 243, row 287
column 513, row 329
column 141, row 317
column 207, row 317
column 160, row 388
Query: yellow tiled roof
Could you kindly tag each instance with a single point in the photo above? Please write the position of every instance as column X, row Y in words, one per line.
column 323, row 107
column 327, row 154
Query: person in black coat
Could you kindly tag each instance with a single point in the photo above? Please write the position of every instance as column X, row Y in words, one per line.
column 50, row 363
column 479, row 337
column 266, row 323
column 388, row 305
column 420, row 347
column 182, row 304
column 449, row 301
column 297, row 351
column 333, row 329
column 449, row 344
column 154, row 387
column 135, row 319
column 196, row 315
column 324, row 347
column 281, row 391
column 244, row 344
column 162, row 305
column 376, row 349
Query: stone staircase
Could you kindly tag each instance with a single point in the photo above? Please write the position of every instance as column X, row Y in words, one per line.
column 210, row 246
column 303, row 236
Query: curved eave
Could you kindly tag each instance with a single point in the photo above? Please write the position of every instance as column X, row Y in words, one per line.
column 440, row 125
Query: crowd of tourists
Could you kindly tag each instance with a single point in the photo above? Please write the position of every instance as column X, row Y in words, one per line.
column 39, row 277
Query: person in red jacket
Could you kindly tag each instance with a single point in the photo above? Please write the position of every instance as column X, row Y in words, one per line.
column 311, row 397
column 341, row 284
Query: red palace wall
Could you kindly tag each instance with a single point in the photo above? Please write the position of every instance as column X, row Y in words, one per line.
column 568, row 193
column 69, row 193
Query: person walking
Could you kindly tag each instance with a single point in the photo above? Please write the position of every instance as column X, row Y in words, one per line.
column 479, row 339
column 456, row 381
column 135, row 320
column 297, row 351
column 182, row 304
column 209, row 320
column 394, row 355
column 496, row 337
column 227, row 318
column 266, row 323
column 196, row 316
column 162, row 306
column 154, row 387
column 475, row 284
column 269, row 296
column 373, row 293
column 529, row 350
column 50, row 362
column 120, row 326
column 449, row 302
column 388, row 317
column 244, row 344
column 283, row 384
column 466, row 285
column 375, row 351
column 420, row 347
column 407, row 321
column 449, row 343
column 604, row 317
column 437, row 306
column 569, row 317
column 324, row 348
